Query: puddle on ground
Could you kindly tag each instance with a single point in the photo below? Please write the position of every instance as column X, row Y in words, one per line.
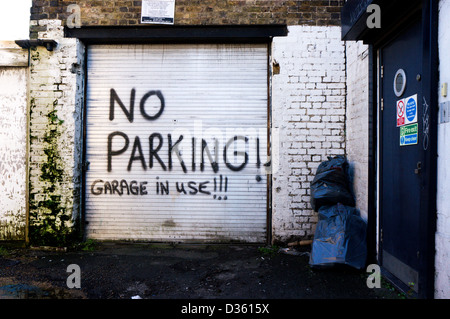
column 25, row 291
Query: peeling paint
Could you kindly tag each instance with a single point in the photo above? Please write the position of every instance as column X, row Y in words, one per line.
column 56, row 102
column 13, row 123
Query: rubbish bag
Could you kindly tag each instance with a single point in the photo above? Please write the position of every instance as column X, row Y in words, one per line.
column 331, row 185
column 340, row 238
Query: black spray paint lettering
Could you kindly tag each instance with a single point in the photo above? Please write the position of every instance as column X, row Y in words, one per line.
column 114, row 187
column 236, row 153
column 173, row 148
column 215, row 162
column 129, row 113
column 119, row 143
column 186, row 188
column 426, row 124
column 124, row 187
column 154, row 151
column 156, row 141
column 137, row 146
column 163, row 186
column 112, row 153
column 219, row 186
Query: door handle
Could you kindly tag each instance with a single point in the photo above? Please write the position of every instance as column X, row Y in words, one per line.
column 419, row 168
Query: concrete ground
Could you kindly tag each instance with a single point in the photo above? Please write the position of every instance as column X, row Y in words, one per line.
column 157, row 271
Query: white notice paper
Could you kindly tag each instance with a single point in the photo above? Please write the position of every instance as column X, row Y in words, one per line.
column 158, row 11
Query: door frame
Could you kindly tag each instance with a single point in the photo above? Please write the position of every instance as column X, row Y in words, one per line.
column 428, row 11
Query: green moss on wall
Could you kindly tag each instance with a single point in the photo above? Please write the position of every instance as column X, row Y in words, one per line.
column 50, row 221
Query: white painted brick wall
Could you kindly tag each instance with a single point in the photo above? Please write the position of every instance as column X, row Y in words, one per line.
column 442, row 261
column 54, row 87
column 357, row 121
column 308, row 109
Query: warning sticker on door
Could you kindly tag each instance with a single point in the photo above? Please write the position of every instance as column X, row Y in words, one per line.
column 400, row 113
column 409, row 134
column 407, row 111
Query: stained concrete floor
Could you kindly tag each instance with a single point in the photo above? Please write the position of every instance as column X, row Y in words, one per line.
column 157, row 271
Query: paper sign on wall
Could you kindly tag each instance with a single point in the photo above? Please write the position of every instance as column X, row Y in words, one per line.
column 158, row 11
column 407, row 111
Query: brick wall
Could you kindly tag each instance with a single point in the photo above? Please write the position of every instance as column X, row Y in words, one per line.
column 56, row 92
column 442, row 271
column 195, row 12
column 308, row 109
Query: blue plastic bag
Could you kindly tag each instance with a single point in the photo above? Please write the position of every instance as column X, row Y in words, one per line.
column 340, row 238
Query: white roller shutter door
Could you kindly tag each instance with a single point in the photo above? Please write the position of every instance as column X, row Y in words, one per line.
column 176, row 143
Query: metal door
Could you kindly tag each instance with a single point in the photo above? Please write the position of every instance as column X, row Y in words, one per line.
column 176, row 142
column 402, row 142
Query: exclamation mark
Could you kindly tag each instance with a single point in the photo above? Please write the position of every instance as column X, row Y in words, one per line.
column 222, row 185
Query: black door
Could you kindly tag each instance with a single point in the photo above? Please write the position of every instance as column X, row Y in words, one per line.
column 401, row 149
